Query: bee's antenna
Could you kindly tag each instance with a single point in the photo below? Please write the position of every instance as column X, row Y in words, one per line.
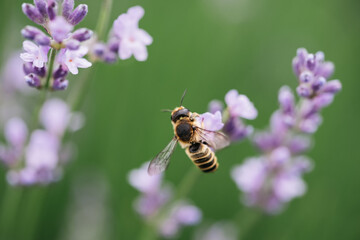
column 166, row 110
column 182, row 98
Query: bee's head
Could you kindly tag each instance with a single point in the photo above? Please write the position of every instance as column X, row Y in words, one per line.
column 179, row 113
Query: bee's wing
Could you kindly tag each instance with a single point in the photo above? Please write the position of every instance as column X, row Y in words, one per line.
column 216, row 140
column 162, row 160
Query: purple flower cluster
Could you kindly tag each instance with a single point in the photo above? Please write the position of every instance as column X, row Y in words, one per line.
column 58, row 37
column 273, row 179
column 312, row 73
column 238, row 107
column 37, row 160
column 126, row 38
column 155, row 195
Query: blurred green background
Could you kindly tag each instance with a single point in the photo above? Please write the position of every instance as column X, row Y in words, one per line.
column 208, row 47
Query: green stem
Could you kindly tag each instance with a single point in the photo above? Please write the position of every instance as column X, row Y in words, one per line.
column 246, row 220
column 9, row 207
column 50, row 68
column 75, row 97
column 104, row 17
column 187, row 183
column 77, row 94
column 31, row 212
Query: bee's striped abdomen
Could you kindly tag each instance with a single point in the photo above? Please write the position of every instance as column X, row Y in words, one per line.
column 203, row 157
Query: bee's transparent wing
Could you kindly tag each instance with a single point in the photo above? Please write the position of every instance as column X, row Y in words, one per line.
column 162, row 160
column 216, row 140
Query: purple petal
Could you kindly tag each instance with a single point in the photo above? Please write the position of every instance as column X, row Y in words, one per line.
column 55, row 115
column 211, row 122
column 16, row 132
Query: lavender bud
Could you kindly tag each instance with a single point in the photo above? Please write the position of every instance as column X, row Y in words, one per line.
column 318, row 83
column 280, row 155
column 302, row 164
column 41, row 6
column 299, row 144
column 78, row 14
column 110, row 57
column 113, row 45
column 265, row 141
column 304, row 91
column 72, row 44
column 82, row 34
column 41, row 72
column 60, row 84
column 29, row 32
column 323, row 100
column 60, row 73
column 306, row 77
column 42, row 39
column 310, row 124
column 67, row 8
column 32, row 80
column 310, row 62
column 52, row 9
column 286, row 99
column 32, row 13
column 29, row 68
column 332, row 86
column 215, row 105
column 319, row 56
column 99, row 50
column 326, row 69
column 296, row 66
column 301, row 54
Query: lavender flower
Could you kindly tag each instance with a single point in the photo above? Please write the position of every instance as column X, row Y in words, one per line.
column 209, row 121
column 126, row 38
column 60, row 29
column 37, row 55
column 39, row 161
column 154, row 196
column 313, row 73
column 273, row 179
column 60, row 38
column 181, row 214
column 72, row 60
column 15, row 135
column 238, row 107
column 132, row 39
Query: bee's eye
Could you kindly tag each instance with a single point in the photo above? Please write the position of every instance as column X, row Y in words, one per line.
column 179, row 114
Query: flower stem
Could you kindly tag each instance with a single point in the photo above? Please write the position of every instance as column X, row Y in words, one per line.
column 31, row 212
column 187, row 183
column 50, row 68
column 247, row 219
column 76, row 96
column 8, row 213
column 104, row 17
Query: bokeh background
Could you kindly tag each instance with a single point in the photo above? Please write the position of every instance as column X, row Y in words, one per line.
column 208, row 47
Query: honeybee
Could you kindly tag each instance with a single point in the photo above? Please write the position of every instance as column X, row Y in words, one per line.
column 199, row 143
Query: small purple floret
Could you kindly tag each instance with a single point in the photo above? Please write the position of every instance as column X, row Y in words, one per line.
column 32, row 13
column 82, row 34
column 32, row 80
column 78, row 14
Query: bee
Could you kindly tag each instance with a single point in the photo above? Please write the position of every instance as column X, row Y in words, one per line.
column 199, row 143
